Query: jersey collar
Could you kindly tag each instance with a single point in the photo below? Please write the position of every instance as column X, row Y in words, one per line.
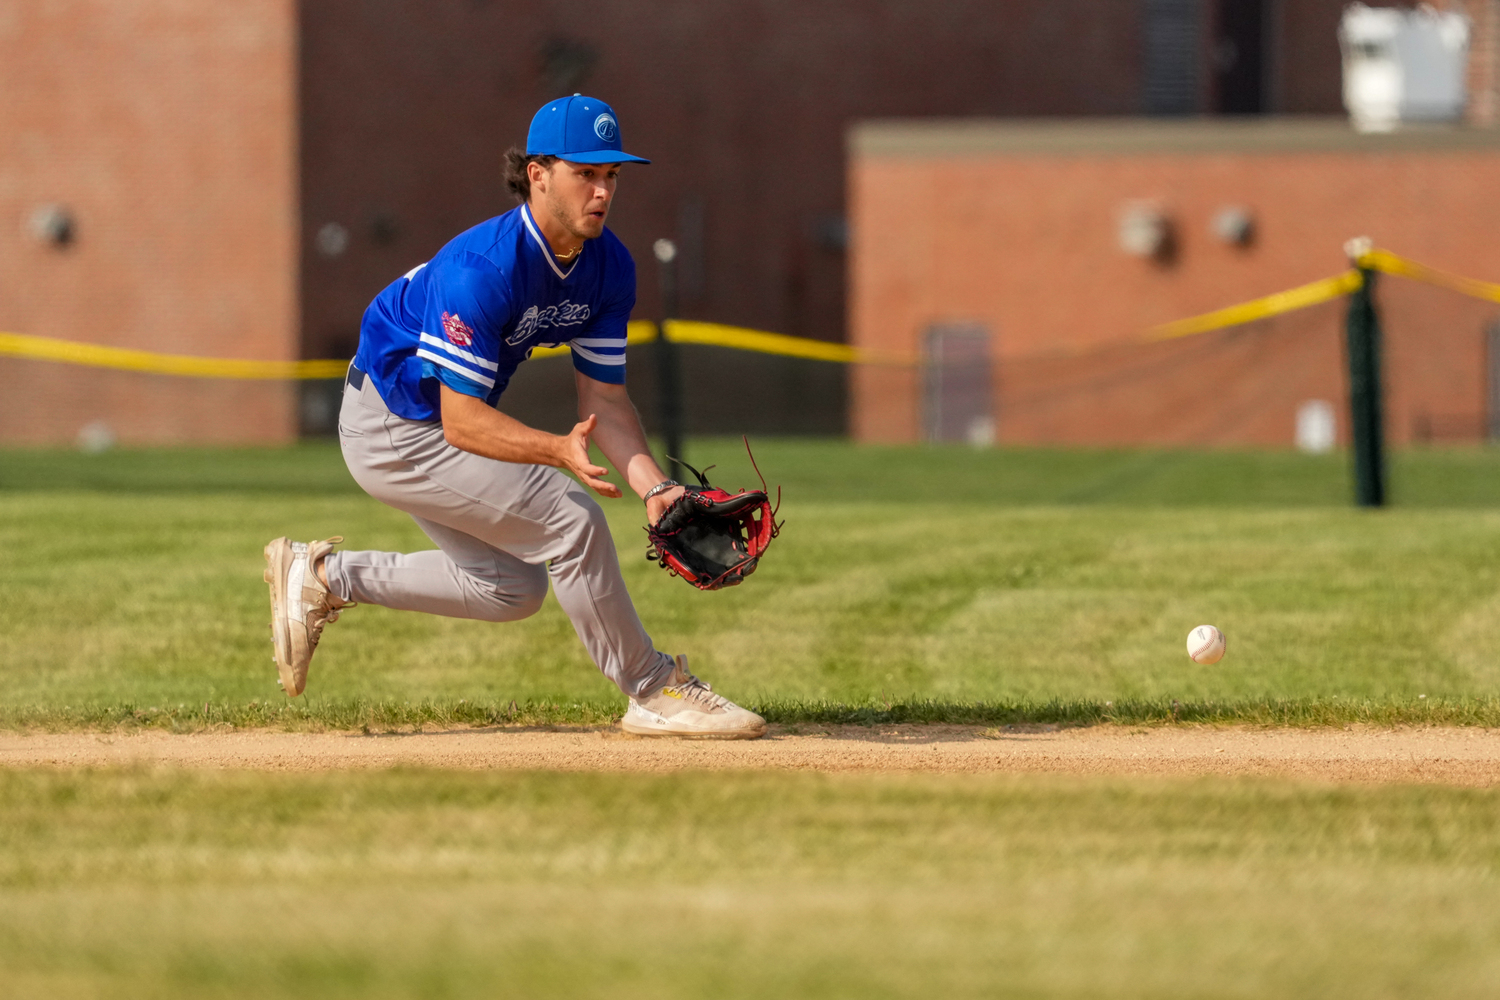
column 541, row 242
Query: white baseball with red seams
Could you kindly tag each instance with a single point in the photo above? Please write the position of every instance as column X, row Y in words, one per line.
column 1206, row 644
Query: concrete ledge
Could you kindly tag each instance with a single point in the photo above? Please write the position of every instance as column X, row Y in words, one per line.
column 946, row 137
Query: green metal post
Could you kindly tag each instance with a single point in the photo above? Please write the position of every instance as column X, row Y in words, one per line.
column 668, row 371
column 1366, row 419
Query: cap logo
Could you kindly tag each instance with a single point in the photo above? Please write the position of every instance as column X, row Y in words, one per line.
column 605, row 127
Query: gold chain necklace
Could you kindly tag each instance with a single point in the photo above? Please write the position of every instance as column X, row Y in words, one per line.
column 565, row 257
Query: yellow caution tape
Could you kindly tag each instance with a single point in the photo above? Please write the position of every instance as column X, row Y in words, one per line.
column 1384, row 260
column 22, row 345
column 718, row 335
column 684, row 331
column 1324, row 291
column 1272, row 305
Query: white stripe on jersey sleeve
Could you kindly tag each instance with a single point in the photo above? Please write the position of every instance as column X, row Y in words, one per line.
column 616, row 343
column 452, row 365
column 459, row 352
column 596, row 358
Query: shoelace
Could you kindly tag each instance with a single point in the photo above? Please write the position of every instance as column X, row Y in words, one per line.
column 324, row 612
column 693, row 689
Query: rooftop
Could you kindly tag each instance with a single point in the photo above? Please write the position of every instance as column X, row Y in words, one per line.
column 924, row 137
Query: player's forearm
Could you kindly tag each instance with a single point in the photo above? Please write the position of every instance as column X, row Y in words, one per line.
column 623, row 441
column 474, row 426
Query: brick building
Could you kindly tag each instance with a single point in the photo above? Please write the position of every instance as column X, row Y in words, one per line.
column 149, row 199
column 240, row 179
column 1003, row 251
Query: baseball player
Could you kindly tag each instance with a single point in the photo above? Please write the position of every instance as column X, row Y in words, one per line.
column 420, row 431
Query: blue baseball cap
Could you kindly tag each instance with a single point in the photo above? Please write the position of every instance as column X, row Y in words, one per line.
column 580, row 129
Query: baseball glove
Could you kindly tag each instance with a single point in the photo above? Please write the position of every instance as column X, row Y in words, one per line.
column 711, row 538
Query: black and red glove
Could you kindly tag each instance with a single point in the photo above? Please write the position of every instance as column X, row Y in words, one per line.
column 711, row 538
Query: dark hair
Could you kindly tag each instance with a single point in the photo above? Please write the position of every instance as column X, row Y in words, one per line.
column 516, row 177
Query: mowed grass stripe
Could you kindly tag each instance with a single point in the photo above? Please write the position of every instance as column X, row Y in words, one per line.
column 423, row 883
column 822, row 470
column 142, row 603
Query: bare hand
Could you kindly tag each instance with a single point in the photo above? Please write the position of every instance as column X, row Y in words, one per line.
column 657, row 505
column 575, row 458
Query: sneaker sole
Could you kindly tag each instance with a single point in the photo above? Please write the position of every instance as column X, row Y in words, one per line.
column 661, row 734
column 278, row 553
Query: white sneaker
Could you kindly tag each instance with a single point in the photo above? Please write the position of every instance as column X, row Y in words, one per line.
column 688, row 708
column 300, row 606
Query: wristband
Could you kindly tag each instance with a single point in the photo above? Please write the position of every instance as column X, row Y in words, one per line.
column 661, row 487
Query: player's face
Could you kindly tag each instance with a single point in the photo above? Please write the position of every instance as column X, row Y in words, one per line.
column 578, row 195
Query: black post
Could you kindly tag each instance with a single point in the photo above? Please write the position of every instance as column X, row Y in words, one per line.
column 669, row 387
column 1365, row 405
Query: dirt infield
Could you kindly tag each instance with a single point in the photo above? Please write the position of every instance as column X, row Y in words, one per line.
column 1450, row 756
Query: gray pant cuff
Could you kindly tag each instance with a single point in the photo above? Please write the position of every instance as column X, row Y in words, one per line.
column 338, row 583
column 656, row 679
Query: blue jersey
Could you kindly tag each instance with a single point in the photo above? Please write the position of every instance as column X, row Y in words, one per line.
column 474, row 312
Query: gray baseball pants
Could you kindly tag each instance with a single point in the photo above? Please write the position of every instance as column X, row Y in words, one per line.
column 501, row 530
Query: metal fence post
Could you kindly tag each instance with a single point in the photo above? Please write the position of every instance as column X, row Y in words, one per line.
column 668, row 377
column 1365, row 396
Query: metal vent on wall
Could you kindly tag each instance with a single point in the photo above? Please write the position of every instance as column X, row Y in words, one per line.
column 959, row 392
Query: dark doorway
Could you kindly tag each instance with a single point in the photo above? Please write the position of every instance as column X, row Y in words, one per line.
column 1238, row 57
column 1492, row 394
column 960, row 395
column 1172, row 33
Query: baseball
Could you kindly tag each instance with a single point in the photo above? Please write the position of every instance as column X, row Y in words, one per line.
column 1206, row 644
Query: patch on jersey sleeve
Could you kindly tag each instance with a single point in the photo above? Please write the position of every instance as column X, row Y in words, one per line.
column 457, row 330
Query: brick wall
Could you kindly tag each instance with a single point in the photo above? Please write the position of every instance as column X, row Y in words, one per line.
column 1026, row 243
column 407, row 110
column 202, row 147
column 1484, row 61
column 166, row 128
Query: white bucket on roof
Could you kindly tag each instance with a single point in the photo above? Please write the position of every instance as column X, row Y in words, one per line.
column 1403, row 65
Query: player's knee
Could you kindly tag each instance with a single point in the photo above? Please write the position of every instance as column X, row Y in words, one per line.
column 528, row 601
column 520, row 597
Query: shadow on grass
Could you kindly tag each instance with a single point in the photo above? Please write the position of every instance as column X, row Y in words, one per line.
column 363, row 716
column 1266, row 712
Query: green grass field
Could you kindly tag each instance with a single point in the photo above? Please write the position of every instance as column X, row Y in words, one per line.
column 448, row 885
column 910, row 584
